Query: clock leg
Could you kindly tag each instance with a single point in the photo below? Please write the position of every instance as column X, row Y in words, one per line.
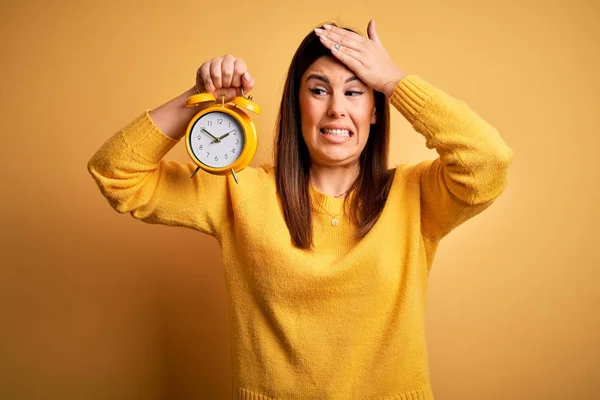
column 195, row 172
column 234, row 176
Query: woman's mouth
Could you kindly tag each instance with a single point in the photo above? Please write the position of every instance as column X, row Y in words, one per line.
column 336, row 132
column 336, row 136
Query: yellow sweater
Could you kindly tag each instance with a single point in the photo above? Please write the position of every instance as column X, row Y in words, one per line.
column 347, row 320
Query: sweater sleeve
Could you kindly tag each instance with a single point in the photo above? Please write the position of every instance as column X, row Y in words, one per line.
column 471, row 170
column 132, row 175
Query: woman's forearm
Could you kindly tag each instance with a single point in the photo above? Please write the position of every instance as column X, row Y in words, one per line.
column 172, row 118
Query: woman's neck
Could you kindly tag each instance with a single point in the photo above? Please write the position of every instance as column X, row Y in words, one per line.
column 333, row 181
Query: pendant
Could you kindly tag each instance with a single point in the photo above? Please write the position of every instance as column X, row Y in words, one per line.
column 335, row 222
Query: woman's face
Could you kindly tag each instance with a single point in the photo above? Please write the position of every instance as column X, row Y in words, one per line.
column 337, row 110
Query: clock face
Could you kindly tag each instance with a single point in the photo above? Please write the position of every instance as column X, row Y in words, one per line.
column 216, row 139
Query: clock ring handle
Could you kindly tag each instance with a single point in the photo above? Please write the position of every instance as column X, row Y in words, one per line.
column 244, row 95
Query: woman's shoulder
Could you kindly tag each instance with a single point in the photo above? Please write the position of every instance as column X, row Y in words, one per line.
column 255, row 177
column 411, row 172
column 261, row 171
column 267, row 169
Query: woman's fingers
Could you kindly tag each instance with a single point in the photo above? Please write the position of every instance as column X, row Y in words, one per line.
column 239, row 68
column 224, row 76
column 341, row 49
column 203, row 80
column 372, row 32
column 227, row 71
column 342, row 37
column 248, row 82
column 348, row 57
column 215, row 72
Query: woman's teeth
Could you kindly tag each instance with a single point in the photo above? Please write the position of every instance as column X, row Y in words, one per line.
column 336, row 132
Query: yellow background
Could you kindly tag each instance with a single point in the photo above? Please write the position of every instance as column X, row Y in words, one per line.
column 97, row 305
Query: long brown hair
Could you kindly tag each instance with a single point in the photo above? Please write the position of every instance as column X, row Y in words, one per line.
column 292, row 159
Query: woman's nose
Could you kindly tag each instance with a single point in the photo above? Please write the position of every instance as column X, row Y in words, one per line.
column 337, row 108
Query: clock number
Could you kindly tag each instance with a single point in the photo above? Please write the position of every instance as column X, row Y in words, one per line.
column 207, row 154
column 237, row 141
column 219, row 121
column 216, row 158
column 233, row 150
column 199, row 137
column 209, row 123
column 201, row 147
column 226, row 156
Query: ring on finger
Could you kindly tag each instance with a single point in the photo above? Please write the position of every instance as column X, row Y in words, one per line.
column 336, row 46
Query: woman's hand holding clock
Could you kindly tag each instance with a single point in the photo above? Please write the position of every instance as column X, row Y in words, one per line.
column 225, row 75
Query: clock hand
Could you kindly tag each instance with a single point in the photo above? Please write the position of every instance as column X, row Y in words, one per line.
column 227, row 134
column 211, row 135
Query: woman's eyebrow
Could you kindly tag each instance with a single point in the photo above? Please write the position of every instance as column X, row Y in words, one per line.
column 324, row 79
column 317, row 76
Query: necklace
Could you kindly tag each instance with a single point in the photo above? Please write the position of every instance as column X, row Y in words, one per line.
column 334, row 217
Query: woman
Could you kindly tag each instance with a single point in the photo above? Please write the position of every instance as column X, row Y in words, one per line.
column 327, row 253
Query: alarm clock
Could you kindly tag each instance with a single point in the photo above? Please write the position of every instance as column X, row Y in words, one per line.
column 221, row 139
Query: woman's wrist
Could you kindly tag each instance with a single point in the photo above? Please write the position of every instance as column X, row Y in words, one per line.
column 390, row 87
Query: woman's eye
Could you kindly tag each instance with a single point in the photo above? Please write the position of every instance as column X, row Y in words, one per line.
column 354, row 93
column 317, row 91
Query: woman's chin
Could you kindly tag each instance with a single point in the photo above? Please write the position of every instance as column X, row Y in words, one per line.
column 335, row 159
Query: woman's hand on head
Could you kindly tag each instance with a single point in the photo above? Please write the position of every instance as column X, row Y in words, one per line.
column 224, row 76
column 365, row 56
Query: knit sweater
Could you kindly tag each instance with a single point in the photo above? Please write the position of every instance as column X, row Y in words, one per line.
column 345, row 320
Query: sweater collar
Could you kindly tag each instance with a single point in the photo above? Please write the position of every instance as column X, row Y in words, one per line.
column 324, row 203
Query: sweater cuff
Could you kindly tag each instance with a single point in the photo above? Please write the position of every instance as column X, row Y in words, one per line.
column 145, row 139
column 410, row 95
